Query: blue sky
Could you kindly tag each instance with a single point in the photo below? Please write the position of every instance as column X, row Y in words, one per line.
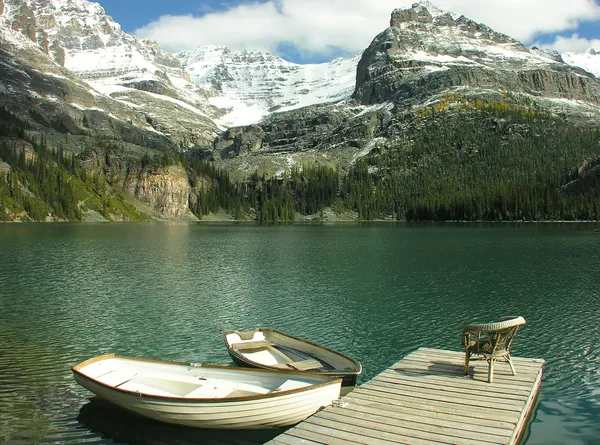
column 318, row 30
column 134, row 14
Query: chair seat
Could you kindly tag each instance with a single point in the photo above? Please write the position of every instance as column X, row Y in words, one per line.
column 485, row 347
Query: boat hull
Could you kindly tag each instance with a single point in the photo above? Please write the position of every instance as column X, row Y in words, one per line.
column 273, row 410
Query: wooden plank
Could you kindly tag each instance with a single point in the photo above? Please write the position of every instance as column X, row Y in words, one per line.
column 533, row 362
column 437, row 407
column 247, row 345
column 280, row 440
column 473, row 398
column 331, row 432
column 305, row 439
column 310, row 435
column 477, row 373
column 368, row 435
column 460, row 382
column 526, row 413
column 305, row 365
column 273, row 350
column 459, row 360
column 427, row 363
column 461, row 389
column 459, row 420
column 473, row 401
column 420, row 431
column 476, row 378
column 424, row 428
column 286, row 439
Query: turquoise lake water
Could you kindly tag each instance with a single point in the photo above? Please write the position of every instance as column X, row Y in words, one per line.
column 376, row 292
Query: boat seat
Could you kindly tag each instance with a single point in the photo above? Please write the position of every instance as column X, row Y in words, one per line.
column 116, row 378
column 285, row 366
column 211, row 390
column 222, row 389
column 305, row 365
column 257, row 344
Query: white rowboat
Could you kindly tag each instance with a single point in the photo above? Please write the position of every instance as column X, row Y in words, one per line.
column 267, row 348
column 206, row 396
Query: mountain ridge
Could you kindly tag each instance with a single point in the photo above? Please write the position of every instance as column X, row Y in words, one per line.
column 156, row 126
column 226, row 88
column 253, row 83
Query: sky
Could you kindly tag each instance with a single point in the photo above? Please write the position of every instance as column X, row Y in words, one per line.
column 310, row 31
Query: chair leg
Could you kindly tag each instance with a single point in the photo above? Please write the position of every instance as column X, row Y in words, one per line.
column 467, row 363
column 512, row 367
column 491, row 371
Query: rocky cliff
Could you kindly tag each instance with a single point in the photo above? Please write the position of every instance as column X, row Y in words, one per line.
column 165, row 190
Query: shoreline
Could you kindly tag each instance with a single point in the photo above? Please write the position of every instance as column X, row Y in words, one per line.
column 297, row 222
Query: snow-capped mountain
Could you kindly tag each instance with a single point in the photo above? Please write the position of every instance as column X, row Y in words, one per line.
column 250, row 84
column 427, row 52
column 589, row 60
column 78, row 35
column 425, row 40
column 191, row 96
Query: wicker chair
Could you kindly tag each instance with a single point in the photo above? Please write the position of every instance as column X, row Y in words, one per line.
column 491, row 342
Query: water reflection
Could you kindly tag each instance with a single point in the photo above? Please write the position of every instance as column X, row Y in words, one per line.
column 113, row 423
column 570, row 422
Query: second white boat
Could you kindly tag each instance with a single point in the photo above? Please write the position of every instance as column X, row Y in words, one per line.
column 206, row 396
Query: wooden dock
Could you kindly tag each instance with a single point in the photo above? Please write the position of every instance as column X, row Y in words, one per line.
column 426, row 399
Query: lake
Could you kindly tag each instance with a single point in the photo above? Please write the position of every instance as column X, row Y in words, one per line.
column 69, row 292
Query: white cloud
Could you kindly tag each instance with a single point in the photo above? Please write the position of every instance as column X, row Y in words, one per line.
column 317, row 27
column 573, row 44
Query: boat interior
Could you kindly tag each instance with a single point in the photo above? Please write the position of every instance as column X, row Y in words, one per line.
column 272, row 349
column 181, row 383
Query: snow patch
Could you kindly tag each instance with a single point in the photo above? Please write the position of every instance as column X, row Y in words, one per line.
column 589, row 61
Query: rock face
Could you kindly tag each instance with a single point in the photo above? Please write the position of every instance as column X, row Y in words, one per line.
column 428, row 50
column 251, row 84
column 78, row 35
column 298, row 130
column 167, row 191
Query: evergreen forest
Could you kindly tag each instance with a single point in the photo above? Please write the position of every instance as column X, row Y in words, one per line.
column 482, row 162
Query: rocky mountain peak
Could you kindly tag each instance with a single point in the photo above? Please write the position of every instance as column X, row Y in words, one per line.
column 428, row 46
column 422, row 12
